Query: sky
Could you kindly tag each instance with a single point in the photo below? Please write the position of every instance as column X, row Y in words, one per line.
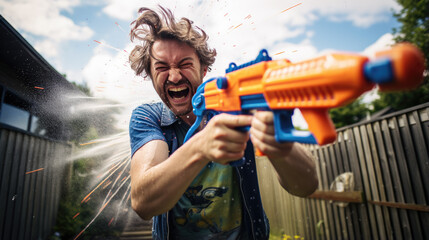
column 89, row 40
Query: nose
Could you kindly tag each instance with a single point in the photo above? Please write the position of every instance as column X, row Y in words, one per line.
column 174, row 75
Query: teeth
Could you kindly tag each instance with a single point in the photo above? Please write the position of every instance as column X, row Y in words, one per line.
column 177, row 89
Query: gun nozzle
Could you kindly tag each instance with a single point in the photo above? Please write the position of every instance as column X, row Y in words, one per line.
column 408, row 65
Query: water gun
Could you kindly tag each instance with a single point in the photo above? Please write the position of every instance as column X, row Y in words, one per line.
column 313, row 86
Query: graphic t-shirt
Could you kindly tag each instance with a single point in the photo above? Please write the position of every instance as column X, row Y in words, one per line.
column 211, row 206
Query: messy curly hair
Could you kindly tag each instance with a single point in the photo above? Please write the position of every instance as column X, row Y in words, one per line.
column 150, row 27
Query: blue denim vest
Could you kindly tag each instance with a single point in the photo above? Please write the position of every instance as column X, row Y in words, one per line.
column 255, row 222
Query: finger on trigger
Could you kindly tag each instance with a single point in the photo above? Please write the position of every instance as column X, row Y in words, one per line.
column 236, row 120
column 265, row 116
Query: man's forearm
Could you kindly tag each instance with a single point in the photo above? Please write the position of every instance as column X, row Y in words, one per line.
column 156, row 189
column 296, row 171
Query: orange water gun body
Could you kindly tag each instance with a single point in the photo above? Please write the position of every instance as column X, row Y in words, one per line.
column 313, row 86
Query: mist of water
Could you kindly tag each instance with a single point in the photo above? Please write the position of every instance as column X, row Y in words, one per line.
column 109, row 154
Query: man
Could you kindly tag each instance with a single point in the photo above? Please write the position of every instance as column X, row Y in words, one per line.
column 190, row 187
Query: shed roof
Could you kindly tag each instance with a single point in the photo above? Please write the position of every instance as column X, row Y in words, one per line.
column 29, row 74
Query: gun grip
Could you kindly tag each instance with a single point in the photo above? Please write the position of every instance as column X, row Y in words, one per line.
column 320, row 124
column 286, row 132
column 240, row 162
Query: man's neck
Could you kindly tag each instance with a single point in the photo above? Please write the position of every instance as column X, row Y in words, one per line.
column 189, row 118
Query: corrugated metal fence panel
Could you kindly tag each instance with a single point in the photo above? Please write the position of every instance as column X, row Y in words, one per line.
column 389, row 159
column 29, row 200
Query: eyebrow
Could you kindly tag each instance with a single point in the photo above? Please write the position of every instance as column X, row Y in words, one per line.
column 157, row 62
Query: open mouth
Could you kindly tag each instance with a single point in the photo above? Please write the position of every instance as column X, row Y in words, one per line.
column 178, row 92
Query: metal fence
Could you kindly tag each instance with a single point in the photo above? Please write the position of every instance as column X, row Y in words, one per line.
column 31, row 172
column 389, row 160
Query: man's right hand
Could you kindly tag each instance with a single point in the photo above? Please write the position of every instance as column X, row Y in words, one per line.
column 220, row 140
column 159, row 180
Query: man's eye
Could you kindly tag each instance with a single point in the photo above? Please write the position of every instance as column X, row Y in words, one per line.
column 161, row 69
column 185, row 65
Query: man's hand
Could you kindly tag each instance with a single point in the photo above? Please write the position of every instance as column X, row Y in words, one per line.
column 220, row 141
column 262, row 136
column 293, row 163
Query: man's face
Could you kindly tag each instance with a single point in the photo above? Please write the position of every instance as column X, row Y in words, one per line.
column 176, row 74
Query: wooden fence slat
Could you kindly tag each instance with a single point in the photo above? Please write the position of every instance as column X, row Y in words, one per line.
column 339, row 217
column 318, row 204
column 366, row 183
column 347, row 230
column 405, row 180
column 387, row 175
column 412, row 160
column 361, row 212
column 327, row 206
column 351, row 210
column 332, row 174
column 421, row 140
column 373, row 183
column 379, row 180
column 396, row 178
column 389, row 160
column 421, row 144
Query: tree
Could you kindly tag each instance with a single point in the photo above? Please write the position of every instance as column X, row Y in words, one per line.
column 414, row 28
column 349, row 114
column 414, row 19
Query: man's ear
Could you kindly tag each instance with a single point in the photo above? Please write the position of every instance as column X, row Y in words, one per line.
column 205, row 71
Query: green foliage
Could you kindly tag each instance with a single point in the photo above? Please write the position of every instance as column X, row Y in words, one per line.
column 414, row 19
column 349, row 114
column 73, row 214
column 82, row 87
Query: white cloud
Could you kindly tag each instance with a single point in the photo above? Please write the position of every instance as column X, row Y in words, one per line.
column 48, row 47
column 239, row 29
column 382, row 43
column 44, row 20
column 362, row 13
column 109, row 75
